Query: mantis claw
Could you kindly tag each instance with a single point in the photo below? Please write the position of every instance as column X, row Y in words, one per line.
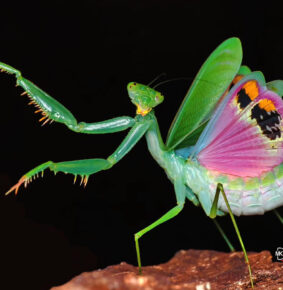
column 24, row 179
column 28, row 177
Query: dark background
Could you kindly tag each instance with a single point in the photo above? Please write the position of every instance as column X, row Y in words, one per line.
column 84, row 54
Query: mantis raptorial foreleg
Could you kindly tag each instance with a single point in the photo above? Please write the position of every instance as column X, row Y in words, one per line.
column 213, row 213
column 52, row 110
column 84, row 168
column 180, row 190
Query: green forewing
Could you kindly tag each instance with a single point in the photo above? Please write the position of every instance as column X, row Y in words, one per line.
column 244, row 70
column 194, row 135
column 212, row 80
column 276, row 86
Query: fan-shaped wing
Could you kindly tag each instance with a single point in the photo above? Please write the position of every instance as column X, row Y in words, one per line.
column 244, row 136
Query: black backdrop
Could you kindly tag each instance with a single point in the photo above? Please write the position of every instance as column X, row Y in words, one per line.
column 84, row 54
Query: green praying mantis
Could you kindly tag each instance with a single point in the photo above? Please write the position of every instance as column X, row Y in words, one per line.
column 181, row 155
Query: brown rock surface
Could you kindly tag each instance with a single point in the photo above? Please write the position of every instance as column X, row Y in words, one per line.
column 192, row 269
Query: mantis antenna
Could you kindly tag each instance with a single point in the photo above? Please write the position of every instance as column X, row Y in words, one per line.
column 156, row 78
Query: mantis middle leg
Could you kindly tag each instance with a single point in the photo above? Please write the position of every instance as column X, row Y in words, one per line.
column 278, row 216
column 180, row 190
column 193, row 198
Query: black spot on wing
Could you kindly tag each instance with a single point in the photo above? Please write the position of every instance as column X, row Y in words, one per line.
column 243, row 98
column 269, row 122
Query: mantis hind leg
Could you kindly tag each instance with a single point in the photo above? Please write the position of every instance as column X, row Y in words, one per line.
column 180, row 191
column 213, row 212
column 229, row 244
column 278, row 216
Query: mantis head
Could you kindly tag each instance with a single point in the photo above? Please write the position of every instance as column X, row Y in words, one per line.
column 144, row 97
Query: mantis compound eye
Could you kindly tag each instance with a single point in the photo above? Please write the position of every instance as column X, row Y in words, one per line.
column 159, row 98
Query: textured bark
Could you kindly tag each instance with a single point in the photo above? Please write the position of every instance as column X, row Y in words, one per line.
column 192, row 269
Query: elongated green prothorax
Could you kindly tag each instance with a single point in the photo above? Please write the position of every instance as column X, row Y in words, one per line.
column 144, row 97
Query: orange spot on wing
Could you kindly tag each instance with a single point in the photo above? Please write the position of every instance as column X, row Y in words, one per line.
column 267, row 105
column 251, row 89
column 237, row 78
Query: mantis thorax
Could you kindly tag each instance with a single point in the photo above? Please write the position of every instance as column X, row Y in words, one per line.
column 144, row 97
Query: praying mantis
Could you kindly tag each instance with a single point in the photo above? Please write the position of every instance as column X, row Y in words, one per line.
column 223, row 150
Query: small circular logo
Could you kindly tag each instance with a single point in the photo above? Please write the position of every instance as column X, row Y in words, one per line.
column 279, row 254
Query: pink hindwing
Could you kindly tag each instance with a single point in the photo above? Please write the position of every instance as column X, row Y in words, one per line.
column 244, row 137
